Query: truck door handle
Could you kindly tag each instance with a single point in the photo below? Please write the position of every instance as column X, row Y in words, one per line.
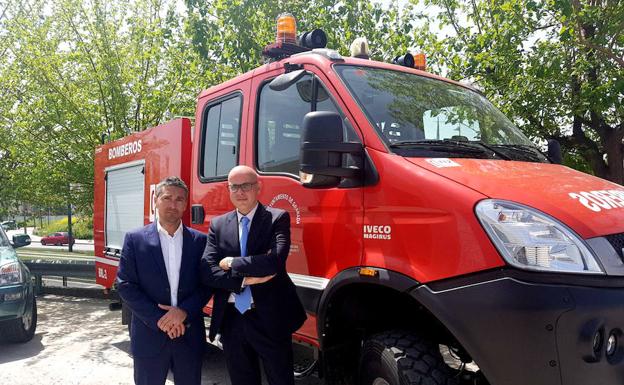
column 197, row 214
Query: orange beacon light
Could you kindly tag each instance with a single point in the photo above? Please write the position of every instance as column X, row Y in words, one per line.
column 286, row 29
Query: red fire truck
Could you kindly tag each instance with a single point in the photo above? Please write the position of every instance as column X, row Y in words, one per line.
column 432, row 242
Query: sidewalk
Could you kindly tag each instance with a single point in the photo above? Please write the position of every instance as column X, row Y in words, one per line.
column 80, row 342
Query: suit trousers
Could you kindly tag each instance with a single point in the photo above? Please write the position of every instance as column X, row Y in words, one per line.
column 175, row 355
column 246, row 345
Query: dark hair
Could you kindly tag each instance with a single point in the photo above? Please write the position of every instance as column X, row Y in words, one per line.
column 171, row 181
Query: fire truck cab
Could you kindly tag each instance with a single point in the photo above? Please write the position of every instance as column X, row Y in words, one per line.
column 432, row 242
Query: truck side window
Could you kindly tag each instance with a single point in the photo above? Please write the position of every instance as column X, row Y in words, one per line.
column 220, row 137
column 280, row 115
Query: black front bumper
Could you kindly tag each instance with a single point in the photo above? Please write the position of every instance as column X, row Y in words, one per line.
column 533, row 333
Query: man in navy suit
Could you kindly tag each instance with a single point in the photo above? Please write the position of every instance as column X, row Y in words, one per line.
column 256, row 308
column 158, row 278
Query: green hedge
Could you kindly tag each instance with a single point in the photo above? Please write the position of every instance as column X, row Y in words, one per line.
column 82, row 227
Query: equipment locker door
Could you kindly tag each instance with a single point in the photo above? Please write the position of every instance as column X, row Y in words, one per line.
column 125, row 195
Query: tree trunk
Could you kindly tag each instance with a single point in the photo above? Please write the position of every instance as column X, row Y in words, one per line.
column 615, row 157
column 588, row 149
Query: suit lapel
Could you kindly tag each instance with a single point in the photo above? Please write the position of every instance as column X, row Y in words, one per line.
column 156, row 250
column 232, row 231
column 187, row 262
column 256, row 228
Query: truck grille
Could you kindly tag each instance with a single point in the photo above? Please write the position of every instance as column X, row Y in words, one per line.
column 617, row 241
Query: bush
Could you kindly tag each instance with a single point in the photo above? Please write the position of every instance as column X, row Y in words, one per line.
column 82, row 227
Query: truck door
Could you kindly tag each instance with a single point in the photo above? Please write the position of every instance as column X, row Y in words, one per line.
column 325, row 223
column 124, row 211
column 218, row 143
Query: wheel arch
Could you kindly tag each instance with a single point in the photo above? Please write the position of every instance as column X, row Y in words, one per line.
column 355, row 306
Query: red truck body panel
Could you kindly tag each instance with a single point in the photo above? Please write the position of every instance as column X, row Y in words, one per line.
column 164, row 150
column 589, row 205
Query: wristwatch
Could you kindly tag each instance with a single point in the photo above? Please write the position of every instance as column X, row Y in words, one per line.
column 229, row 262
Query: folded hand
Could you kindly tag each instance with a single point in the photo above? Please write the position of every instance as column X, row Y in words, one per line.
column 224, row 263
column 172, row 322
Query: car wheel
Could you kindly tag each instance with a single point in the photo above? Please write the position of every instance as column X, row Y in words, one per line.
column 59, row 244
column 43, row 243
column 403, row 358
column 23, row 328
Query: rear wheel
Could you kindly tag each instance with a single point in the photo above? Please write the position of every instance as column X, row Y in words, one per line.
column 403, row 358
column 43, row 243
column 21, row 329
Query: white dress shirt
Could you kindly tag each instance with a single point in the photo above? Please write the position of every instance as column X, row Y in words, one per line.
column 240, row 216
column 171, row 247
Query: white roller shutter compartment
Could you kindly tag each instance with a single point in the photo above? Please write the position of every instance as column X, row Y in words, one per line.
column 124, row 203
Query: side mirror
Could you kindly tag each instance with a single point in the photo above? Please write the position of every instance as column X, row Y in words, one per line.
column 20, row 240
column 554, row 151
column 322, row 150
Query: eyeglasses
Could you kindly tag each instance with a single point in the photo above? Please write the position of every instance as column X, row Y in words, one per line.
column 244, row 186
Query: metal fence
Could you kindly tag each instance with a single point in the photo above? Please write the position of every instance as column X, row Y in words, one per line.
column 43, row 264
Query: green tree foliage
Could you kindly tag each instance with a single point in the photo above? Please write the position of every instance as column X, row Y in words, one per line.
column 71, row 70
column 82, row 227
column 232, row 33
column 556, row 67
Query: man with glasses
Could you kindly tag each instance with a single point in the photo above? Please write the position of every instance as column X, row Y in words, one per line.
column 256, row 308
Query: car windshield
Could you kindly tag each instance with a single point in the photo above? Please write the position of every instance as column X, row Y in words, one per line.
column 419, row 116
column 4, row 241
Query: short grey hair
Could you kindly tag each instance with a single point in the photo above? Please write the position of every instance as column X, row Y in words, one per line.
column 171, row 181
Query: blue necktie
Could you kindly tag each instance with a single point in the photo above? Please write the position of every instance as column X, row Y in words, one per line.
column 242, row 301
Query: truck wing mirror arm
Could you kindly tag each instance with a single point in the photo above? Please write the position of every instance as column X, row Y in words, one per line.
column 286, row 80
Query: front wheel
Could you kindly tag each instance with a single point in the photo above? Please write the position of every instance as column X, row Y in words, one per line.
column 23, row 328
column 403, row 358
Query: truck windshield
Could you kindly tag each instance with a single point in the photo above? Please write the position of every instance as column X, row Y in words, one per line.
column 423, row 117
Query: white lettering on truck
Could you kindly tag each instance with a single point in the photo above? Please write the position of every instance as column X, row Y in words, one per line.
column 125, row 149
column 600, row 199
column 378, row 232
column 291, row 201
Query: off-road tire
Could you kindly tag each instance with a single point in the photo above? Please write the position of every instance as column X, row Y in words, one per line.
column 403, row 358
column 21, row 329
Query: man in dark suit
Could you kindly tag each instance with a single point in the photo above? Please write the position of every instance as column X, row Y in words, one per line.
column 158, row 278
column 256, row 308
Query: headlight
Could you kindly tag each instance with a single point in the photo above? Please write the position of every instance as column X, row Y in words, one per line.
column 10, row 274
column 530, row 239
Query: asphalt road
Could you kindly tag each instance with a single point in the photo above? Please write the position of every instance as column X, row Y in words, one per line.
column 79, row 341
column 80, row 245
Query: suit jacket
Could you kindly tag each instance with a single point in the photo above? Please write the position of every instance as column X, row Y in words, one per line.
column 276, row 302
column 143, row 284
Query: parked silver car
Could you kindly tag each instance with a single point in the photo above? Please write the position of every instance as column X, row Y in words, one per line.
column 18, row 306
